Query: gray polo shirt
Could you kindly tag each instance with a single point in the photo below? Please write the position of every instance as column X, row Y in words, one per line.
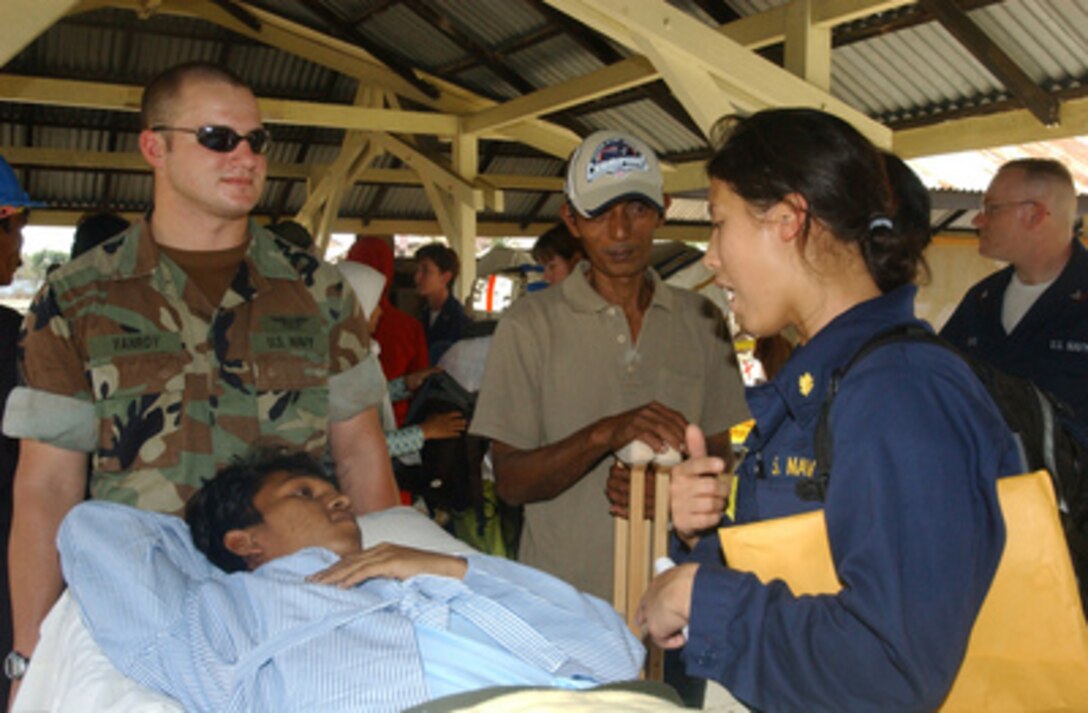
column 562, row 359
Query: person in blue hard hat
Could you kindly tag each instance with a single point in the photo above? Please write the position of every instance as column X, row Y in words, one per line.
column 14, row 204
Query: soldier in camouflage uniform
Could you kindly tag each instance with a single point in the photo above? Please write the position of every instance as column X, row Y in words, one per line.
column 174, row 346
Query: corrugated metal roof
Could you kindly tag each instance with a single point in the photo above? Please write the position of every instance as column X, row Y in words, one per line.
column 650, row 123
column 687, row 210
column 550, row 209
column 751, row 7
column 492, row 22
column 521, row 166
column 406, row 202
column 1048, row 40
column 356, row 201
column 553, row 61
column 895, row 76
column 518, row 204
column 918, row 70
column 483, row 80
column 402, row 31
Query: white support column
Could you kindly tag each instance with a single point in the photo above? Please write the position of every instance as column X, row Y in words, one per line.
column 322, row 205
column 331, row 209
column 466, row 159
column 808, row 45
column 442, row 204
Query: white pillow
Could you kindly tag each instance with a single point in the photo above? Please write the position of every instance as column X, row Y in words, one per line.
column 408, row 526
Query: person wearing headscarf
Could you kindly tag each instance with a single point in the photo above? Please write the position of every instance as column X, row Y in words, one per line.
column 369, row 286
column 403, row 344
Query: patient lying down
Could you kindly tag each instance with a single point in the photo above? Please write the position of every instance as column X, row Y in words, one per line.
column 294, row 615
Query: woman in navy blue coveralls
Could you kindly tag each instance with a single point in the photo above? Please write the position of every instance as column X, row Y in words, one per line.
column 801, row 206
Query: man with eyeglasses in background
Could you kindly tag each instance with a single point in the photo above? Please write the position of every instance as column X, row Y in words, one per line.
column 1030, row 319
column 172, row 348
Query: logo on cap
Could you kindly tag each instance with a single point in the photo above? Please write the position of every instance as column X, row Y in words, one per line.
column 615, row 157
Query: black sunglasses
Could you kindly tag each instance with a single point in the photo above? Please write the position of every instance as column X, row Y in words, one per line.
column 223, row 139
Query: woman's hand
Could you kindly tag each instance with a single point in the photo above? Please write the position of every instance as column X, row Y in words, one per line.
column 414, row 380
column 665, row 608
column 698, row 490
column 391, row 561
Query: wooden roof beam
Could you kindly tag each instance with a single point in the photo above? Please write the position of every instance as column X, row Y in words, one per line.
column 609, row 80
column 1019, row 126
column 753, row 32
column 1046, row 108
column 356, row 62
column 344, row 57
column 808, row 45
column 24, row 20
column 344, row 26
column 445, row 25
column 26, row 156
column 116, row 97
column 688, row 52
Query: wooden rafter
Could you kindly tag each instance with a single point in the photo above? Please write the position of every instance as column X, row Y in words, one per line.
column 718, row 11
column 894, row 20
column 484, row 56
column 1041, row 104
column 24, row 20
column 689, row 53
column 341, row 26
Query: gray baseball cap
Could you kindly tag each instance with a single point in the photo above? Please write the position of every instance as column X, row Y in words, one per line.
column 609, row 167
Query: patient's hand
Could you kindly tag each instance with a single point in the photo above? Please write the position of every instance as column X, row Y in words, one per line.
column 391, row 561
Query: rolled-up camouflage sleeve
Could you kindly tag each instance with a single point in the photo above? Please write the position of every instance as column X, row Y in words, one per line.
column 356, row 381
column 355, row 390
column 53, row 403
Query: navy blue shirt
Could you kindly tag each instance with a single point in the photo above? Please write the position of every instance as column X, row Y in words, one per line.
column 1050, row 343
column 913, row 519
column 447, row 328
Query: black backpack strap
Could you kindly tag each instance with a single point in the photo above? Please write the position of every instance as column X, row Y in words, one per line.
column 815, row 488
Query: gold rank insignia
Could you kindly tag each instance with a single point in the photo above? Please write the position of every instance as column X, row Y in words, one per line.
column 805, row 383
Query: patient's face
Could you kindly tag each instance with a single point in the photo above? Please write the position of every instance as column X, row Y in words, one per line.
column 302, row 511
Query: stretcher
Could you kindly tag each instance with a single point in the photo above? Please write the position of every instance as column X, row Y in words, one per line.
column 69, row 673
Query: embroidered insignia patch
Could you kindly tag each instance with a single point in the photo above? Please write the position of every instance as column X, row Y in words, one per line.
column 615, row 157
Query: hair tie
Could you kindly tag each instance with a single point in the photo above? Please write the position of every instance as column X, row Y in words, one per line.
column 880, row 221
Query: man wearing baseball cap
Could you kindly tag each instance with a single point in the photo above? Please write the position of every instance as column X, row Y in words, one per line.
column 608, row 356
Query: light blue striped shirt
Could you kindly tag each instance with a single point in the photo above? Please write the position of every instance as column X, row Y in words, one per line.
column 270, row 641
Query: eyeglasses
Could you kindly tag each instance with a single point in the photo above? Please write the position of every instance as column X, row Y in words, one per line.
column 223, row 139
column 991, row 209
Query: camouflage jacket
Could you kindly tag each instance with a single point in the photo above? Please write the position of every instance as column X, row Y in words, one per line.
column 122, row 356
